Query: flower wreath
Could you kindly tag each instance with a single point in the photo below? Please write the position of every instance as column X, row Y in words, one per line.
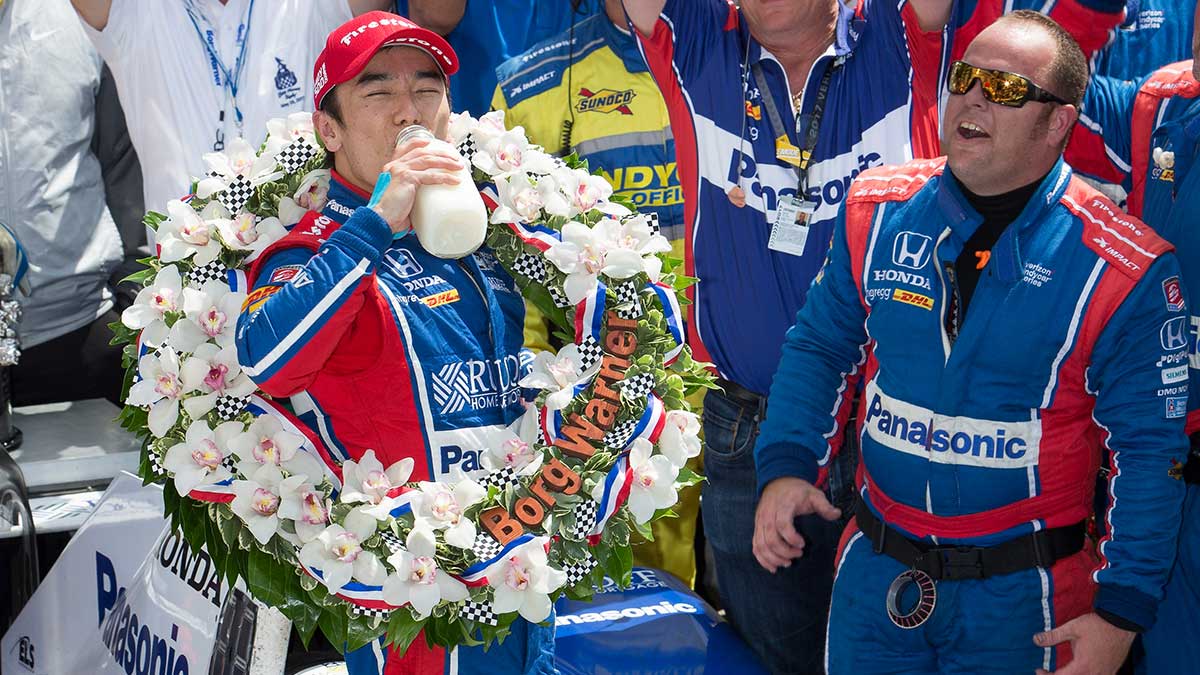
column 354, row 548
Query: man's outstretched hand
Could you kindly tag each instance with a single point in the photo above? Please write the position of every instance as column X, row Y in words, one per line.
column 1097, row 646
column 776, row 541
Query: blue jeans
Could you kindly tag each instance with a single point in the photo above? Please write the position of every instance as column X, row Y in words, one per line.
column 781, row 616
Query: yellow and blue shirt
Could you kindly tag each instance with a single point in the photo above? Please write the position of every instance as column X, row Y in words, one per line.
column 589, row 91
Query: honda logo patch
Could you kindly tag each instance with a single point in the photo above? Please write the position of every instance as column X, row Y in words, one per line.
column 911, row 250
column 1173, row 334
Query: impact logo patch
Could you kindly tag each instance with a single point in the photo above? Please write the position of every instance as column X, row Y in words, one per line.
column 605, row 101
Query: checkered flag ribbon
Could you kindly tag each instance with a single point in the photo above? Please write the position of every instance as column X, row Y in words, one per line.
column 235, row 196
column 392, row 542
column 486, row 547
column 156, row 464
column 369, row 611
column 636, row 388
column 229, row 407
column 541, row 439
column 653, row 221
column 560, row 298
column 630, row 306
column 479, row 612
column 202, row 274
column 585, row 519
column 467, row 148
column 295, row 155
column 530, row 266
column 590, row 352
column 502, row 478
column 618, row 437
column 579, row 570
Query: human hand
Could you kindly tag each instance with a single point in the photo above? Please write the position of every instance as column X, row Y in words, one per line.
column 416, row 162
column 1097, row 646
column 776, row 541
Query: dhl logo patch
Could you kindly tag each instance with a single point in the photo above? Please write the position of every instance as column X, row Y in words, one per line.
column 605, row 101
column 910, row 298
column 257, row 297
column 442, row 298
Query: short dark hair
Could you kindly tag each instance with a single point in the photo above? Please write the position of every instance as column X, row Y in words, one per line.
column 330, row 106
column 1069, row 69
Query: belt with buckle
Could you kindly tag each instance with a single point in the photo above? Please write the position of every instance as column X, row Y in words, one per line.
column 1036, row 549
column 741, row 395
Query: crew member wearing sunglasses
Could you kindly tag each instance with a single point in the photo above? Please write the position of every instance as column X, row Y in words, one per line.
column 1006, row 321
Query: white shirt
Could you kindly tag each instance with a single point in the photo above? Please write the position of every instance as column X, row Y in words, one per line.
column 170, row 90
column 51, row 192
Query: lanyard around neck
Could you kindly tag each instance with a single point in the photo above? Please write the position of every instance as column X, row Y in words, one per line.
column 778, row 129
column 231, row 79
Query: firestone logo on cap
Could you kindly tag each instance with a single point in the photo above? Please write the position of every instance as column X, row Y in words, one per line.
column 349, row 37
column 321, row 78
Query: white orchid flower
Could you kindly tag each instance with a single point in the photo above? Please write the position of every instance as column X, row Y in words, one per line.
column 210, row 313
column 147, row 313
column 584, row 192
column 257, row 500
column 304, row 505
column 680, row 438
column 239, row 159
column 518, row 200
column 554, row 202
column 247, row 233
column 159, row 387
column 581, row 255
column 311, row 195
column 443, row 504
column 489, row 127
column 461, row 124
column 338, row 553
column 186, row 233
column 367, row 481
column 523, row 581
column 282, row 131
column 213, row 371
column 631, row 244
column 653, row 481
column 556, row 374
column 199, row 459
column 417, row 580
column 512, row 447
column 266, row 443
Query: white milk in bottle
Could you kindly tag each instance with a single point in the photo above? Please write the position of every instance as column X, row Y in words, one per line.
column 449, row 220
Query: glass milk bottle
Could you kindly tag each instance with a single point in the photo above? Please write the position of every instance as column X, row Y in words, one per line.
column 450, row 220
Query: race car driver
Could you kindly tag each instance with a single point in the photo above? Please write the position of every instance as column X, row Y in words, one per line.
column 1145, row 136
column 365, row 327
column 1008, row 324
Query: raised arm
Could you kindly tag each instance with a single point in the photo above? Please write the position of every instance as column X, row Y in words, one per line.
column 644, row 14
column 932, row 14
column 93, row 12
column 439, row 16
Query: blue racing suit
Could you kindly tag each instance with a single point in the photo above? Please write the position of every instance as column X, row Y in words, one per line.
column 978, row 430
column 384, row 346
column 1146, row 136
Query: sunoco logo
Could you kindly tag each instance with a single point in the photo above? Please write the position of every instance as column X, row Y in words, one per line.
column 605, row 101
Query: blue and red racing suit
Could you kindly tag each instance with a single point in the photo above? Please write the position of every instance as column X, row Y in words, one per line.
column 975, row 432
column 1146, row 136
column 384, row 346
